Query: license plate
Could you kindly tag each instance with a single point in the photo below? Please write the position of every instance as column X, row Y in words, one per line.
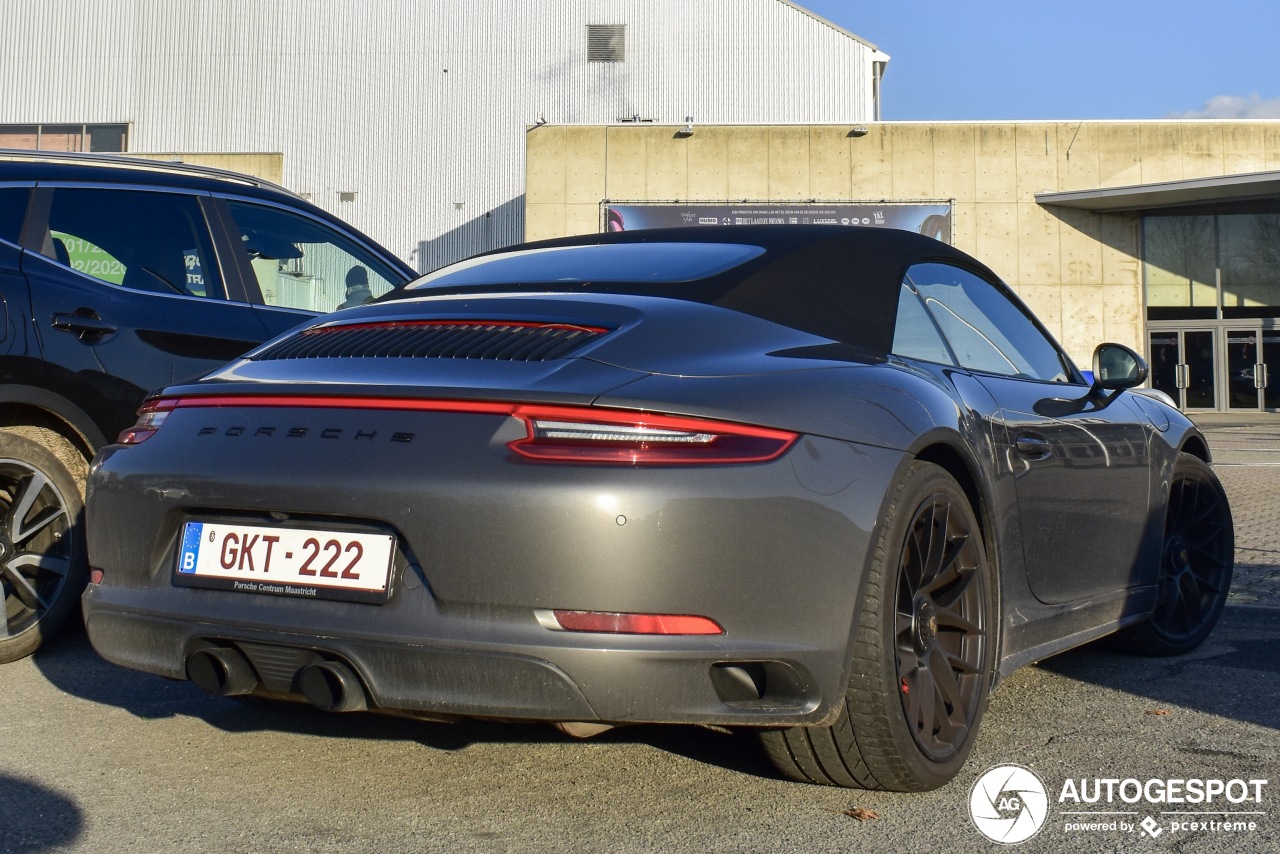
column 286, row 561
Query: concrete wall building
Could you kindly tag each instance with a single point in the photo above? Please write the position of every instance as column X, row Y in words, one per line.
column 1161, row 235
column 451, row 127
column 408, row 118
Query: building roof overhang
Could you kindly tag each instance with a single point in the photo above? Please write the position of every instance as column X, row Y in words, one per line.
column 1195, row 192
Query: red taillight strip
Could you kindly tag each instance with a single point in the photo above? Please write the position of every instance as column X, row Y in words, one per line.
column 404, row 324
column 321, row 401
column 727, row 443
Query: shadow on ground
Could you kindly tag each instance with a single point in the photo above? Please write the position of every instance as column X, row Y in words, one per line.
column 71, row 665
column 1235, row 675
column 35, row 818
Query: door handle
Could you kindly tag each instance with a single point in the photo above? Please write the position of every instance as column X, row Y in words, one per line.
column 85, row 323
column 1032, row 446
column 1260, row 375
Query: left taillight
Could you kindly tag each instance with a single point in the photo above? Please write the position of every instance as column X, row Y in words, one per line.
column 152, row 414
column 583, row 435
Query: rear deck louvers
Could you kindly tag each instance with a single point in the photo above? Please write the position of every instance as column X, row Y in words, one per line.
column 515, row 341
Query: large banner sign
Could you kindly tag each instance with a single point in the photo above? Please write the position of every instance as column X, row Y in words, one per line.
column 929, row 218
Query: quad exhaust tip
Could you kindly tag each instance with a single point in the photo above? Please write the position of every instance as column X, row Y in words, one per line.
column 222, row 671
column 333, row 687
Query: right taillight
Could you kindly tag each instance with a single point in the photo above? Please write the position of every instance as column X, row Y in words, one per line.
column 587, row 435
column 152, row 414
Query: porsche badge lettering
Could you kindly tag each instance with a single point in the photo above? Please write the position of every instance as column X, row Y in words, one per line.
column 268, row 432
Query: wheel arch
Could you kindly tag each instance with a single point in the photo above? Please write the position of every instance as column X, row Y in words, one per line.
column 25, row 406
column 1194, row 444
column 960, row 463
column 957, row 464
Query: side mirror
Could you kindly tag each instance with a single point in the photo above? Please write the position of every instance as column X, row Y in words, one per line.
column 1116, row 367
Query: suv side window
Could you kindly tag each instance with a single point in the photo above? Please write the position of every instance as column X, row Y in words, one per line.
column 13, row 209
column 304, row 264
column 987, row 331
column 145, row 241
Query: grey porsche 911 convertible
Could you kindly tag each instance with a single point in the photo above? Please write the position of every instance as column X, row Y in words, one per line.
column 830, row 484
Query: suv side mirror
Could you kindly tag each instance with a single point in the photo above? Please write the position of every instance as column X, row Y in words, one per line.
column 1116, row 367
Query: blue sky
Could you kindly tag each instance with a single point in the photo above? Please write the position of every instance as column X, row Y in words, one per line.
column 1081, row 59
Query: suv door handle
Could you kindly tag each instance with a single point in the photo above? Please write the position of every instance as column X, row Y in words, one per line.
column 1032, row 446
column 85, row 323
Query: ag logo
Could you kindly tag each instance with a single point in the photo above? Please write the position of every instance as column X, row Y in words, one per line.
column 1008, row 804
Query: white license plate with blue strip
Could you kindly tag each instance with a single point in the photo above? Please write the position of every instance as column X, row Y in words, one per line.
column 286, row 561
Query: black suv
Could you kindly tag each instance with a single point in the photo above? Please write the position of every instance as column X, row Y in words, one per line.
column 119, row 276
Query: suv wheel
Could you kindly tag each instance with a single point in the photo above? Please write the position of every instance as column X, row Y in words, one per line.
column 43, row 568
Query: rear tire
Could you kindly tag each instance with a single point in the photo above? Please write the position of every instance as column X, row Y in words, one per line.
column 43, row 568
column 922, row 657
column 1196, row 561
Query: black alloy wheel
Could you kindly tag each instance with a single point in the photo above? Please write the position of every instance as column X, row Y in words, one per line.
column 924, row 655
column 941, row 632
column 1196, row 562
column 42, row 566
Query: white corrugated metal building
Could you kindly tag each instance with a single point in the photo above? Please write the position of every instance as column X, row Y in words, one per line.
column 416, row 112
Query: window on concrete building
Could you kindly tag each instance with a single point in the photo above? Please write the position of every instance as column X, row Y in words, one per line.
column 606, row 42
column 1249, row 253
column 57, row 137
column 1179, row 260
column 1188, row 259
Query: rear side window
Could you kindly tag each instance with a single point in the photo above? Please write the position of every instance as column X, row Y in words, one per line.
column 915, row 336
column 987, row 331
column 146, row 241
column 13, row 208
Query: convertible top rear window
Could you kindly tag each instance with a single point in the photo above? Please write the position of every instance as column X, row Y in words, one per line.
column 639, row 263
column 837, row 282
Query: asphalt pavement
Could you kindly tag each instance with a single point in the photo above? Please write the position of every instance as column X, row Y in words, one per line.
column 95, row 758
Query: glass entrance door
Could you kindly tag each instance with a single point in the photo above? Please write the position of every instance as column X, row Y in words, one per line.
column 1253, row 368
column 1184, row 365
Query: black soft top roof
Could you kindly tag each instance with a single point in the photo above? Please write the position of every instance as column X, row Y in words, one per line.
column 839, row 282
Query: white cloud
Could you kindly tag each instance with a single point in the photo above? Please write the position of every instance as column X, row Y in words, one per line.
column 1235, row 107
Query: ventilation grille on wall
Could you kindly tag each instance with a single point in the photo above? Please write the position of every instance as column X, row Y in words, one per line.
column 606, row 42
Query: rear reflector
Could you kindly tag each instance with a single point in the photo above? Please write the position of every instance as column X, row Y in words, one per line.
column 610, row 622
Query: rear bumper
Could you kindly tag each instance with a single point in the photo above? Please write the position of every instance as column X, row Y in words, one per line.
column 773, row 552
column 649, row 680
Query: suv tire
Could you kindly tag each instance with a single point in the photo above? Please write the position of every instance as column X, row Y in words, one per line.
column 43, row 567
